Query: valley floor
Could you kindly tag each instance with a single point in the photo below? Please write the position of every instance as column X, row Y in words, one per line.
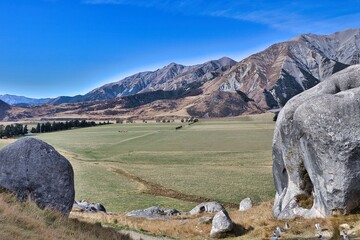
column 135, row 166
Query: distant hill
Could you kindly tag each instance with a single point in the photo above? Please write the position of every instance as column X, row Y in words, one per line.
column 20, row 100
column 171, row 77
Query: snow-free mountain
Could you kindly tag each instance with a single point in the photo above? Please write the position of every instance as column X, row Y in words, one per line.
column 283, row 70
column 219, row 88
column 171, row 77
column 18, row 100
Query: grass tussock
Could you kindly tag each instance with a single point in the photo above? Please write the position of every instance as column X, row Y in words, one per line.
column 20, row 221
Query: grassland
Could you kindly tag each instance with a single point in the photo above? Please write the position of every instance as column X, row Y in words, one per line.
column 223, row 160
column 20, row 221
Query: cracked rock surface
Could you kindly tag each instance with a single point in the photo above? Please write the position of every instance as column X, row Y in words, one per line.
column 316, row 149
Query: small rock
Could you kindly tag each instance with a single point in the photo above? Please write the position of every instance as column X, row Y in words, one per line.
column 210, row 207
column 245, row 204
column 221, row 224
column 345, row 226
column 274, row 236
column 287, row 226
column 345, row 236
column 84, row 206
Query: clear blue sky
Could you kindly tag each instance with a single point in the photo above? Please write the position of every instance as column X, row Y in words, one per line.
column 67, row 47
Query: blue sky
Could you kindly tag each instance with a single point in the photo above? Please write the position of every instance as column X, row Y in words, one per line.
column 50, row 48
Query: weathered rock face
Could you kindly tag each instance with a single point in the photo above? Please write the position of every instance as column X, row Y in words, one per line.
column 84, row 206
column 209, row 207
column 221, row 224
column 316, row 149
column 154, row 212
column 33, row 169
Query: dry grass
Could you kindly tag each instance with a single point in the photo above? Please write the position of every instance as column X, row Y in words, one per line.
column 256, row 223
column 20, row 221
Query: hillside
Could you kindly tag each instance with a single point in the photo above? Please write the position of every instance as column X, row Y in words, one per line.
column 169, row 78
column 21, row 100
column 4, row 107
column 283, row 70
column 21, row 221
column 218, row 88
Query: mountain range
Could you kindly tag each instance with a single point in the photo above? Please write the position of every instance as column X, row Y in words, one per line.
column 218, row 88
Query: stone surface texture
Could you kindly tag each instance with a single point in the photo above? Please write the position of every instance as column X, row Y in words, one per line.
column 245, row 204
column 209, row 207
column 221, row 224
column 33, row 169
column 316, row 149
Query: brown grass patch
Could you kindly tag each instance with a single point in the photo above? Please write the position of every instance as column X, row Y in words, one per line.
column 256, row 223
column 158, row 190
column 20, row 221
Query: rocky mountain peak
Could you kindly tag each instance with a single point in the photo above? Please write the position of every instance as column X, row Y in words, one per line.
column 283, row 70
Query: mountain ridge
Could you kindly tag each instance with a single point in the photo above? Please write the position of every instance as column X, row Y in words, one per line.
column 171, row 77
column 14, row 100
column 219, row 88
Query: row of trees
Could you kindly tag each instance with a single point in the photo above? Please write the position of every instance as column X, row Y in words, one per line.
column 17, row 129
column 13, row 130
column 60, row 126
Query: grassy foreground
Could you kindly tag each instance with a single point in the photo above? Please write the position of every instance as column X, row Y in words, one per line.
column 26, row 221
column 224, row 160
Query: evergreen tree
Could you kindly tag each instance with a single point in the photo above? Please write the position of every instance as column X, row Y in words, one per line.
column 25, row 130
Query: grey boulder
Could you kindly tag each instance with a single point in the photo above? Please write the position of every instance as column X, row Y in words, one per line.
column 33, row 169
column 84, row 206
column 245, row 204
column 210, row 207
column 154, row 212
column 221, row 224
column 316, row 149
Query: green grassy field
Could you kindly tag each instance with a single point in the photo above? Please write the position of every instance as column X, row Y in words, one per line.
column 224, row 160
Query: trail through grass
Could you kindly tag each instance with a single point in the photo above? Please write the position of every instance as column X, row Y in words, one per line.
column 224, row 160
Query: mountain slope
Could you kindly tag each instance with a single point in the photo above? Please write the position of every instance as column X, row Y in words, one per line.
column 283, row 70
column 171, row 77
column 15, row 100
column 4, row 107
column 220, row 88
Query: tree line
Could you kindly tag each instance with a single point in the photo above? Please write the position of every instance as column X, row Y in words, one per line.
column 60, row 126
column 13, row 130
column 18, row 129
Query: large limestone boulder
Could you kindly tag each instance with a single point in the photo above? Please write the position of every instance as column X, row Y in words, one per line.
column 33, row 169
column 316, row 149
column 221, row 224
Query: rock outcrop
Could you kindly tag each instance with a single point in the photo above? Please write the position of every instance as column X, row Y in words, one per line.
column 33, row 169
column 154, row 212
column 316, row 149
column 84, row 206
column 221, row 224
column 210, row 207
